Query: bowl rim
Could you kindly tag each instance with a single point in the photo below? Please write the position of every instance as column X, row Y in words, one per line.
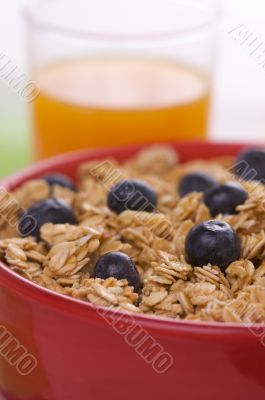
column 28, row 289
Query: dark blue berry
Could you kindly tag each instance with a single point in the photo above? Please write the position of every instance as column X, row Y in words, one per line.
column 117, row 265
column 196, row 182
column 132, row 195
column 224, row 199
column 250, row 165
column 60, row 180
column 55, row 211
column 212, row 242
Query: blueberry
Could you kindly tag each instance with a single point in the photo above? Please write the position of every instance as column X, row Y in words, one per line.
column 59, row 179
column 250, row 165
column 196, row 182
column 224, row 199
column 132, row 195
column 117, row 265
column 212, row 242
column 51, row 210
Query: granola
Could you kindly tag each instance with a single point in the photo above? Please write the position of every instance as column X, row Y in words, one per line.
column 64, row 256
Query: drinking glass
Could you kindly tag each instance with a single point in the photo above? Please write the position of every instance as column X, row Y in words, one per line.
column 115, row 72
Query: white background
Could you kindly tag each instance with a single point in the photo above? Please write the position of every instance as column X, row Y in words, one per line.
column 239, row 106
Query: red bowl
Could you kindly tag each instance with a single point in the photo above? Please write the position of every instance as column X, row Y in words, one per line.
column 57, row 348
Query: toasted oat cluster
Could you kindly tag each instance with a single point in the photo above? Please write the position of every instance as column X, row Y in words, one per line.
column 63, row 256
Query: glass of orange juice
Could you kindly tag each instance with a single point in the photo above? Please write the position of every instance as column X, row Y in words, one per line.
column 114, row 72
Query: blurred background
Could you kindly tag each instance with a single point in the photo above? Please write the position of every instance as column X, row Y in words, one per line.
column 238, row 112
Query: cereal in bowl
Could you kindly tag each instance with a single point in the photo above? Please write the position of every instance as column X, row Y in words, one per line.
column 150, row 236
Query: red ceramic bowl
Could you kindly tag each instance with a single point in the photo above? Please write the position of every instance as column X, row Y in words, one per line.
column 53, row 347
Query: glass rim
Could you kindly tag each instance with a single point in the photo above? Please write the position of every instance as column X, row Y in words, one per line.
column 31, row 15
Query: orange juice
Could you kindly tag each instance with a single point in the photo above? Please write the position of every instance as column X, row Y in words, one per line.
column 113, row 101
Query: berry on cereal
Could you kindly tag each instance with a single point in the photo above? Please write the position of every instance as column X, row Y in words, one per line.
column 250, row 165
column 212, row 242
column 117, row 265
column 224, row 199
column 55, row 211
column 196, row 182
column 60, row 180
column 133, row 195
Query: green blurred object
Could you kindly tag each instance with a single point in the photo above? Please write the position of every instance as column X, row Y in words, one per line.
column 14, row 132
column 14, row 151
